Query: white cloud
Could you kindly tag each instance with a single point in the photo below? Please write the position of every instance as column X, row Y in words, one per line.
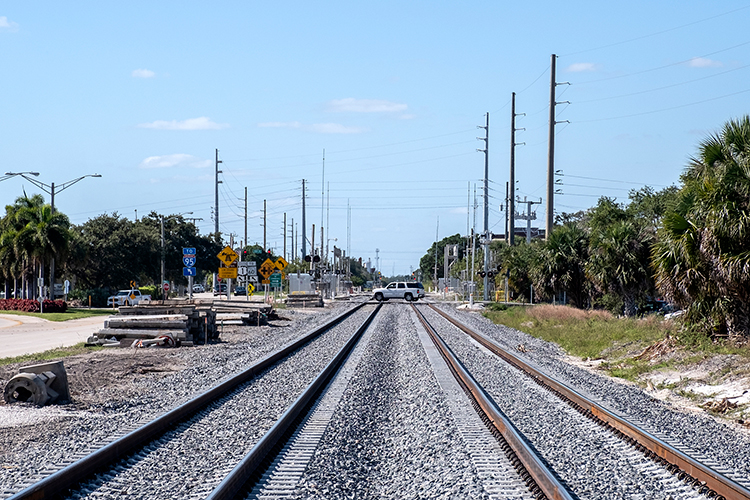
column 318, row 128
column 581, row 67
column 702, row 62
column 202, row 123
column 175, row 160
column 143, row 73
column 6, row 25
column 335, row 128
column 351, row 105
column 280, row 125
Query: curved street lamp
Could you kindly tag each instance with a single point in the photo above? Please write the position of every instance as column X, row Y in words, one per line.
column 49, row 189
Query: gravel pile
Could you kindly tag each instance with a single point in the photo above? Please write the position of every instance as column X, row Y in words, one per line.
column 702, row 434
column 37, row 441
column 392, row 435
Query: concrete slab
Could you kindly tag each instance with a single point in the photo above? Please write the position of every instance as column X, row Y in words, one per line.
column 28, row 334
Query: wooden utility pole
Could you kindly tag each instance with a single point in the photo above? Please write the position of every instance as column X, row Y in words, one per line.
column 551, row 152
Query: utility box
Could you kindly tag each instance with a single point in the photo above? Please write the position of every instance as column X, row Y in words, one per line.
column 299, row 282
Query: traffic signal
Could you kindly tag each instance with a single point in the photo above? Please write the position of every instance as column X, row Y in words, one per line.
column 316, row 258
column 308, row 258
column 482, row 274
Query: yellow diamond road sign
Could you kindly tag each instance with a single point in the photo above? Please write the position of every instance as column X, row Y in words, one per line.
column 280, row 263
column 227, row 255
column 267, row 268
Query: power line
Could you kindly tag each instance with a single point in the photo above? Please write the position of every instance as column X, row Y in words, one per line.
column 664, row 109
column 657, row 33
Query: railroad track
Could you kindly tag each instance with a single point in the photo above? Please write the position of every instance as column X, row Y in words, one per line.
column 509, row 464
column 106, row 464
column 709, row 479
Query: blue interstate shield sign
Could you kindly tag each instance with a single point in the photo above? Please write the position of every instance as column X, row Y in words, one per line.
column 188, row 261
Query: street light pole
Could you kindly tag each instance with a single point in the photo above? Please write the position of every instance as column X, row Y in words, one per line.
column 49, row 189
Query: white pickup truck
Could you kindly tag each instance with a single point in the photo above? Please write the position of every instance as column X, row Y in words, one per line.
column 127, row 298
column 407, row 290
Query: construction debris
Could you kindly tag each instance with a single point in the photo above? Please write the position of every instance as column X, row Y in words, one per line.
column 304, row 299
column 41, row 384
column 172, row 323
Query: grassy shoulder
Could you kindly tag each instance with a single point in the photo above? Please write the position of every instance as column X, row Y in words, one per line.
column 66, row 316
column 52, row 354
column 628, row 348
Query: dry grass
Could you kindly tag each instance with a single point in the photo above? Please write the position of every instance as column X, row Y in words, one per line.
column 588, row 334
column 548, row 312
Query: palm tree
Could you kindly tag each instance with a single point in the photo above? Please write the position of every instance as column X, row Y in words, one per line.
column 702, row 258
column 561, row 264
column 619, row 262
column 32, row 235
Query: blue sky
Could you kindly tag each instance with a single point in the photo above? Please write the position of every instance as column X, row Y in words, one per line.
column 144, row 92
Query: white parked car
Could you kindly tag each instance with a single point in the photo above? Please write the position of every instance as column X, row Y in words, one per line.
column 128, row 298
column 407, row 290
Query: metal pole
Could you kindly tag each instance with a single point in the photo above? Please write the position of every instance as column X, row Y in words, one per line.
column 284, row 254
column 161, row 283
column 511, row 201
column 265, row 248
column 245, row 216
column 52, row 261
column 486, row 244
column 216, row 206
column 304, row 224
column 551, row 152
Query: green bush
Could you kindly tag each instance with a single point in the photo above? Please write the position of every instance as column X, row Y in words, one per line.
column 497, row 306
column 150, row 290
column 98, row 296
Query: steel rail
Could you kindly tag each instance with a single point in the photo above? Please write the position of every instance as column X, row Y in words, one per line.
column 54, row 484
column 713, row 479
column 547, row 482
column 235, row 482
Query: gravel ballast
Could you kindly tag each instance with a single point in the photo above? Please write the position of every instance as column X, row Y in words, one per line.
column 702, row 436
column 36, row 441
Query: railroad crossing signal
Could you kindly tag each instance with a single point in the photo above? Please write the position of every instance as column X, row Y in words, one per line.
column 227, row 255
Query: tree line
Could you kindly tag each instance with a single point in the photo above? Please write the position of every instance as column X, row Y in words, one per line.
column 688, row 245
column 109, row 252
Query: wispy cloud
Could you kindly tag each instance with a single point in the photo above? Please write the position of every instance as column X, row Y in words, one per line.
column 581, row 67
column 702, row 62
column 280, row 125
column 202, row 123
column 335, row 128
column 143, row 73
column 318, row 128
column 175, row 160
column 352, row 105
column 8, row 26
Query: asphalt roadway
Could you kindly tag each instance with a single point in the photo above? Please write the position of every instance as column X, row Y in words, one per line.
column 28, row 334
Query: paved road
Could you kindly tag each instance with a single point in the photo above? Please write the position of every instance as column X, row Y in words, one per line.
column 28, row 334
